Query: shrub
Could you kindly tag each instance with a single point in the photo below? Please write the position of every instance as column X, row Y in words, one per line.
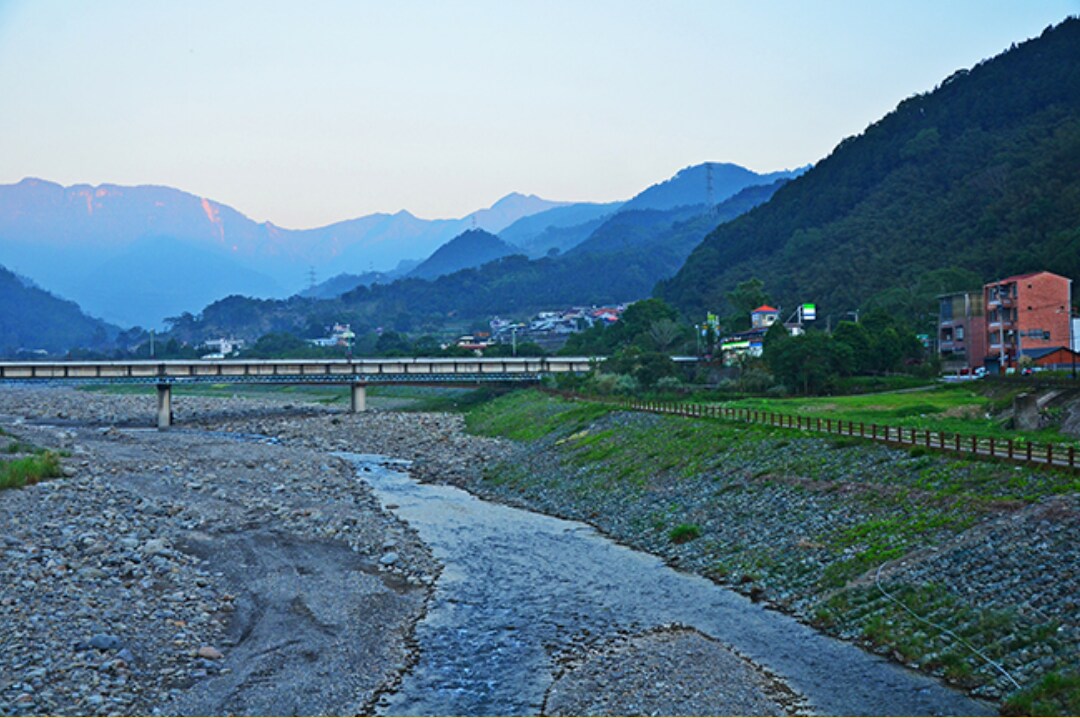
column 755, row 381
column 684, row 532
column 32, row 469
column 668, row 383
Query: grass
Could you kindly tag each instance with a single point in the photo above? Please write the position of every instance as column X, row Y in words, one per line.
column 1055, row 694
column 306, row 392
column 950, row 409
column 684, row 533
column 529, row 415
column 29, row 470
column 390, row 397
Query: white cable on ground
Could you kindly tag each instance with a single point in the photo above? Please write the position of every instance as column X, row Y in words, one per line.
column 973, row 649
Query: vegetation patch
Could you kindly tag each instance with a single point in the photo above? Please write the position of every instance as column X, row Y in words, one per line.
column 684, row 533
column 1056, row 694
column 530, row 415
column 29, row 470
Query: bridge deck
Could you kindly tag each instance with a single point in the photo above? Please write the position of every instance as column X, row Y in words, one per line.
column 295, row 371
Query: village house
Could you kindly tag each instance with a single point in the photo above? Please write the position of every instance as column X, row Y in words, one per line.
column 1025, row 313
column 961, row 334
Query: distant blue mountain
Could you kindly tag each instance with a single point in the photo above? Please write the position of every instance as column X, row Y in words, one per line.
column 556, row 228
column 90, row 243
column 470, row 249
column 691, row 186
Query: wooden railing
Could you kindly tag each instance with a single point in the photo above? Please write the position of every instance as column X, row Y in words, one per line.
column 1007, row 449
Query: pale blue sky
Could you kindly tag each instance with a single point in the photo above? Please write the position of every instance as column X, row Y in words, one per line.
column 305, row 113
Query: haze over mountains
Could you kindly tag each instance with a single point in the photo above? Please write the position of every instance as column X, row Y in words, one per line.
column 99, row 245
column 176, row 252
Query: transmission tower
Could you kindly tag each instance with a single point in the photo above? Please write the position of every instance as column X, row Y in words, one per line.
column 709, row 204
column 311, row 277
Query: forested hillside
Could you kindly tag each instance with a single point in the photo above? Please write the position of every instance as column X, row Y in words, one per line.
column 978, row 175
column 31, row 319
column 469, row 249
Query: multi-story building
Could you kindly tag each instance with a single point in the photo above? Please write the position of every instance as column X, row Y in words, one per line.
column 1025, row 312
column 961, row 338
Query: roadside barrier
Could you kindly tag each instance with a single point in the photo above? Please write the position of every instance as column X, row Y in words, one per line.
column 1017, row 451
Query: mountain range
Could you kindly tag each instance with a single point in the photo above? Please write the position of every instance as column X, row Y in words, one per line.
column 100, row 245
column 139, row 255
column 619, row 262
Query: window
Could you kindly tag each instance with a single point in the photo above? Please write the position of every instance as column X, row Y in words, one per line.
column 959, row 334
column 946, row 311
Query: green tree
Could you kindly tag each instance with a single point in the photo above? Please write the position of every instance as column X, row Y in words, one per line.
column 392, row 344
column 745, row 298
column 810, row 363
column 857, row 338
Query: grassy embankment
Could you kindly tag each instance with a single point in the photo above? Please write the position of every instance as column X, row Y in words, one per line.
column 804, row 521
column 965, row 409
column 22, row 463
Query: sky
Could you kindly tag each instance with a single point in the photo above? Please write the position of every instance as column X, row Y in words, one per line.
column 307, row 113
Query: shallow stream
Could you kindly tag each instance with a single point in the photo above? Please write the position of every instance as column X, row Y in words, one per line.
column 518, row 587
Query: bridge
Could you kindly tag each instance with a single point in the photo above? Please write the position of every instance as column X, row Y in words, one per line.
column 356, row 373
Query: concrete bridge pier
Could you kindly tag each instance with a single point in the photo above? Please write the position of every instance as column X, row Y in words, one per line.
column 359, row 398
column 164, row 406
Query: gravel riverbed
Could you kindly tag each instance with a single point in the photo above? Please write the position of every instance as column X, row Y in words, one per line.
column 186, row 572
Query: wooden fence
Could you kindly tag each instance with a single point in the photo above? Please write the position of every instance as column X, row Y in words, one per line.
column 1007, row 449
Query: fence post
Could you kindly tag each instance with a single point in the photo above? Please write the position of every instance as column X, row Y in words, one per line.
column 957, row 442
column 1029, row 451
column 1072, row 457
column 991, row 446
column 1010, row 448
column 974, row 445
column 828, row 424
column 927, row 438
column 1050, row 454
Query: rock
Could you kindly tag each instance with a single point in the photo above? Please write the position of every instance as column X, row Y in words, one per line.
column 389, row 558
column 105, row 642
column 154, row 547
column 210, row 653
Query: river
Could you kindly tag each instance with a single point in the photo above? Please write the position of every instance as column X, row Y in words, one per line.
column 518, row 584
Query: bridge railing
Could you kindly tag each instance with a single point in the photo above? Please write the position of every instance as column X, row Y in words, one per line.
column 300, row 370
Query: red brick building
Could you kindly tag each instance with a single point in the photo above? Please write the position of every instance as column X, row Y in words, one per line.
column 1027, row 311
